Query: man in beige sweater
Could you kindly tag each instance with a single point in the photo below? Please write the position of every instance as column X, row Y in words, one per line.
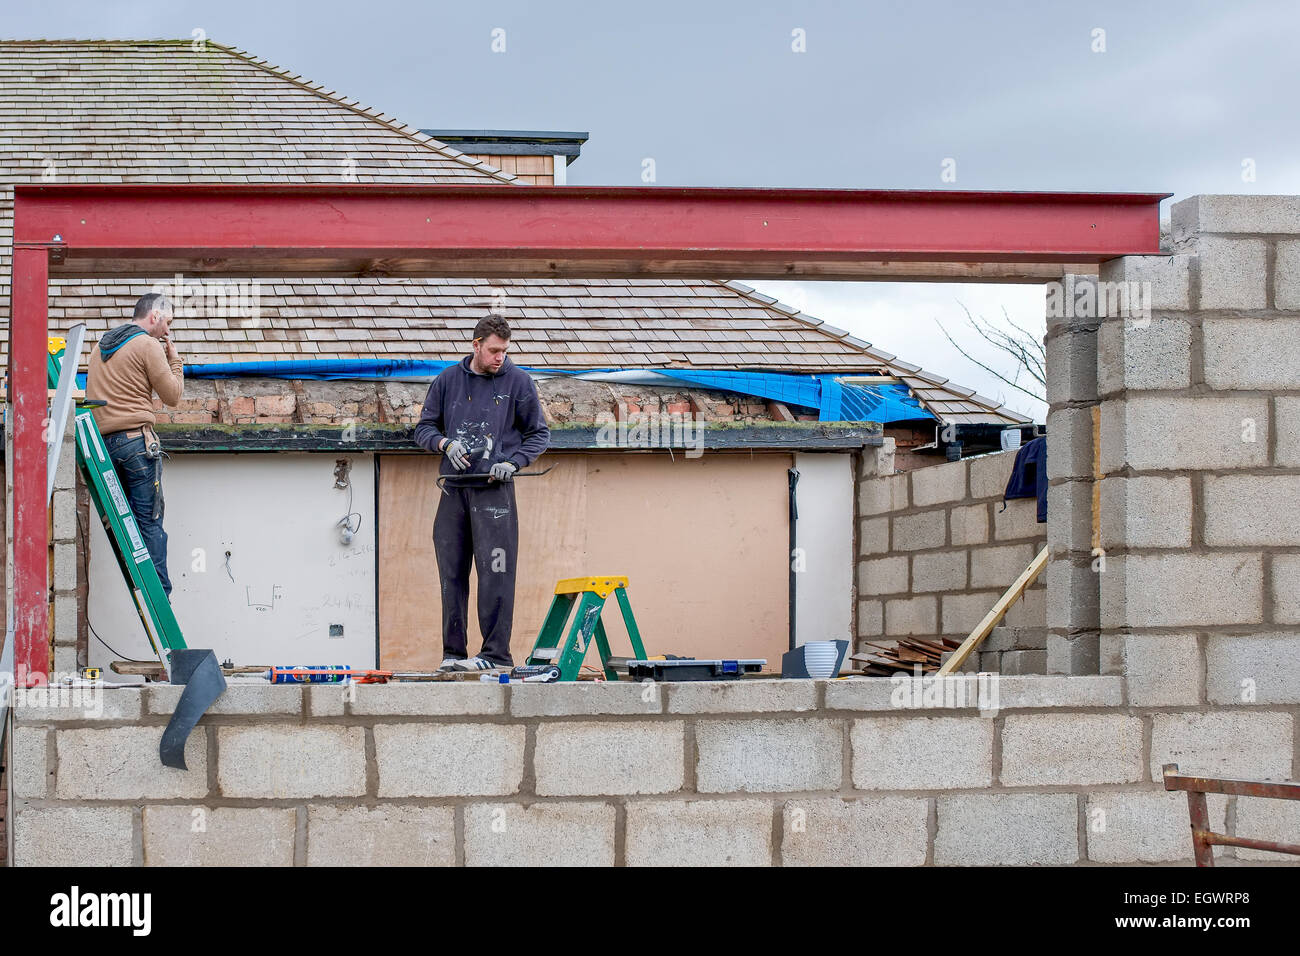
column 127, row 366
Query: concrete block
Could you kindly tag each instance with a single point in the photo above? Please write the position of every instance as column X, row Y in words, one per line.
column 758, row 756
column 1019, row 520
column 1252, row 353
column 586, row 698
column 1007, row 638
column 1075, row 603
column 325, row 700
column 989, row 661
column 873, row 536
column 935, row 484
column 939, row 571
column 1023, row 662
column 1069, row 504
column 1074, row 654
column 699, row 833
column 878, row 460
column 429, row 699
column 833, row 831
column 922, row 753
column 30, row 772
column 220, row 836
column 1162, row 670
column 1287, row 451
column 1154, row 433
column 544, row 834
column 999, row 567
column 1252, row 746
column 918, row 615
column 386, row 835
column 1071, row 749
column 1252, row 510
column 1285, row 587
column 1286, row 275
column 1169, row 278
column 882, row 495
column 1232, row 273
column 53, row 704
column 883, row 576
column 65, row 567
column 741, row 696
column 1030, row 610
column 926, row 529
column 1252, row 668
column 1010, row 692
column 121, row 763
column 871, row 618
column 288, row 760
column 1230, row 213
column 1110, row 651
column 581, row 759
column 989, row 474
column 1260, row 819
column 1007, row 829
column 1071, row 365
column 1129, row 827
column 970, row 525
column 1147, row 511
column 64, row 505
column 437, row 760
column 861, row 694
column 1147, row 353
column 238, row 698
column 65, row 618
column 961, row 612
column 65, row 659
column 1069, row 443
column 72, row 836
column 1181, row 590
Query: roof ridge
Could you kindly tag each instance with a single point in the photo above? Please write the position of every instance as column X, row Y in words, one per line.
column 384, row 119
column 895, row 364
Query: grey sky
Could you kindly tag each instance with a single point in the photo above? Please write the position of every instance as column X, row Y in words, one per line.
column 712, row 91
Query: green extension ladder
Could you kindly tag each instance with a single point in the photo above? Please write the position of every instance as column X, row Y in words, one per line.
column 115, row 512
column 564, row 647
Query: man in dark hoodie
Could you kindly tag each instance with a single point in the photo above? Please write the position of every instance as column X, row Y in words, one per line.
column 127, row 365
column 483, row 415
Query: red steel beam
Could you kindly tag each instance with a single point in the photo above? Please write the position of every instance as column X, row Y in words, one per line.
column 253, row 230
column 28, row 384
column 650, row 230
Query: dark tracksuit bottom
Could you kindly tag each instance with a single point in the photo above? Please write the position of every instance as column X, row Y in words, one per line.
column 477, row 522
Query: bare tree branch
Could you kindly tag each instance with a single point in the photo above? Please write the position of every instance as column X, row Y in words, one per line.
column 1024, row 349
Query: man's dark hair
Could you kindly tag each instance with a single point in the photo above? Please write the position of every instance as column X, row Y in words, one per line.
column 492, row 325
column 148, row 302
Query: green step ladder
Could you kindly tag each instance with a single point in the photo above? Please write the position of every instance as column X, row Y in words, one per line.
column 106, row 492
column 565, row 647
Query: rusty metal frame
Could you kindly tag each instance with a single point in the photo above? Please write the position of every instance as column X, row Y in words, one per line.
column 1203, row 838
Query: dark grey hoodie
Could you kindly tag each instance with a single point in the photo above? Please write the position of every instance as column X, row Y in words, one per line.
column 498, row 416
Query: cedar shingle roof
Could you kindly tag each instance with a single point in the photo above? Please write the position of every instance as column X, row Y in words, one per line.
column 97, row 111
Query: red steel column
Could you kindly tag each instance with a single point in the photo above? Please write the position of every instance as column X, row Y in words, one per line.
column 28, row 385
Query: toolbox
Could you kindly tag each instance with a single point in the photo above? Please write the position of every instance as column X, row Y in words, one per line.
column 688, row 668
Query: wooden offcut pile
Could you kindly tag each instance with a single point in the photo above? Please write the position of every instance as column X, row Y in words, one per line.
column 884, row 660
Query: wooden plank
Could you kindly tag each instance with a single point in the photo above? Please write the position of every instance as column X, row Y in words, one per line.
column 995, row 614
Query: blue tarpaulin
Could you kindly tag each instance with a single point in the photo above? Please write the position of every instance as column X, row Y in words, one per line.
column 832, row 399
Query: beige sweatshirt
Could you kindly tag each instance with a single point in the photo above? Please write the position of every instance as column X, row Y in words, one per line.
column 128, row 380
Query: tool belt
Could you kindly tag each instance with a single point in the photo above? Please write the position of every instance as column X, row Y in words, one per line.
column 153, row 450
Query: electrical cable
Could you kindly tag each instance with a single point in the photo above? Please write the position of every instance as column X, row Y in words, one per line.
column 85, row 549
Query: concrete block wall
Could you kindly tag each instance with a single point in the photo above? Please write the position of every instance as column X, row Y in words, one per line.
column 1199, row 431
column 936, row 550
column 1056, row 770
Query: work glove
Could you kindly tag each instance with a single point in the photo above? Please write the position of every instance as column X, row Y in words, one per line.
column 457, row 454
column 503, row 471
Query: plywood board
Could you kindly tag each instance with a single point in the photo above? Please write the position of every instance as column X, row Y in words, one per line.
column 703, row 541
